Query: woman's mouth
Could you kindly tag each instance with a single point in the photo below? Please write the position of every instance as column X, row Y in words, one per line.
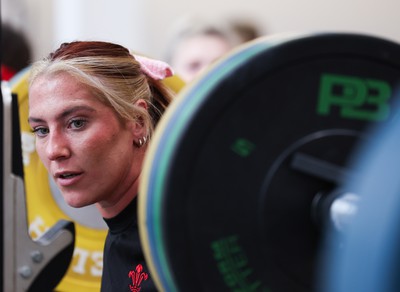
column 65, row 179
column 67, row 175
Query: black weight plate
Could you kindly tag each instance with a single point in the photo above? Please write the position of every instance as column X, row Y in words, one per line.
column 221, row 206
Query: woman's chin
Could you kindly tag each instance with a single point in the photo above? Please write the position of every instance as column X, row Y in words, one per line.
column 75, row 202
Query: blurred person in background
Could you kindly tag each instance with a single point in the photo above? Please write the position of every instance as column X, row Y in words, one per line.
column 247, row 29
column 195, row 43
column 15, row 51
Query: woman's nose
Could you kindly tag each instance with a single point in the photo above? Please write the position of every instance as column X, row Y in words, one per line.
column 57, row 147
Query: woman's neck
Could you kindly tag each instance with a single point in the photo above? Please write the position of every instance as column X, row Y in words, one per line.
column 110, row 210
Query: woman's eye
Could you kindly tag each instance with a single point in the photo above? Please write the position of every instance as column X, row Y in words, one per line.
column 40, row 131
column 77, row 124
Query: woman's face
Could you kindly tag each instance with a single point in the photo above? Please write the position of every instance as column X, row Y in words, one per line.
column 84, row 146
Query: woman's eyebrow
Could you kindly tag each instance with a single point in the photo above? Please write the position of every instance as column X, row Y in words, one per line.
column 65, row 113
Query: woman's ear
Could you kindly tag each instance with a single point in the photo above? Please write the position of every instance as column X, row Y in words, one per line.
column 138, row 127
column 141, row 103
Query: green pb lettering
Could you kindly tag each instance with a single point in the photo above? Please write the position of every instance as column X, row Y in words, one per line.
column 356, row 98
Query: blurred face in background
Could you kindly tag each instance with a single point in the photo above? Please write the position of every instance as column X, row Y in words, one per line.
column 197, row 53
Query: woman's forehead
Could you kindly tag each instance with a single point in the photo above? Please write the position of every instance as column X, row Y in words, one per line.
column 61, row 89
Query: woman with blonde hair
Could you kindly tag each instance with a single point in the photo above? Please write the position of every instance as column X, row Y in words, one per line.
column 93, row 107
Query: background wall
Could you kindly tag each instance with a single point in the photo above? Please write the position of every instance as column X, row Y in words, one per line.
column 143, row 25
